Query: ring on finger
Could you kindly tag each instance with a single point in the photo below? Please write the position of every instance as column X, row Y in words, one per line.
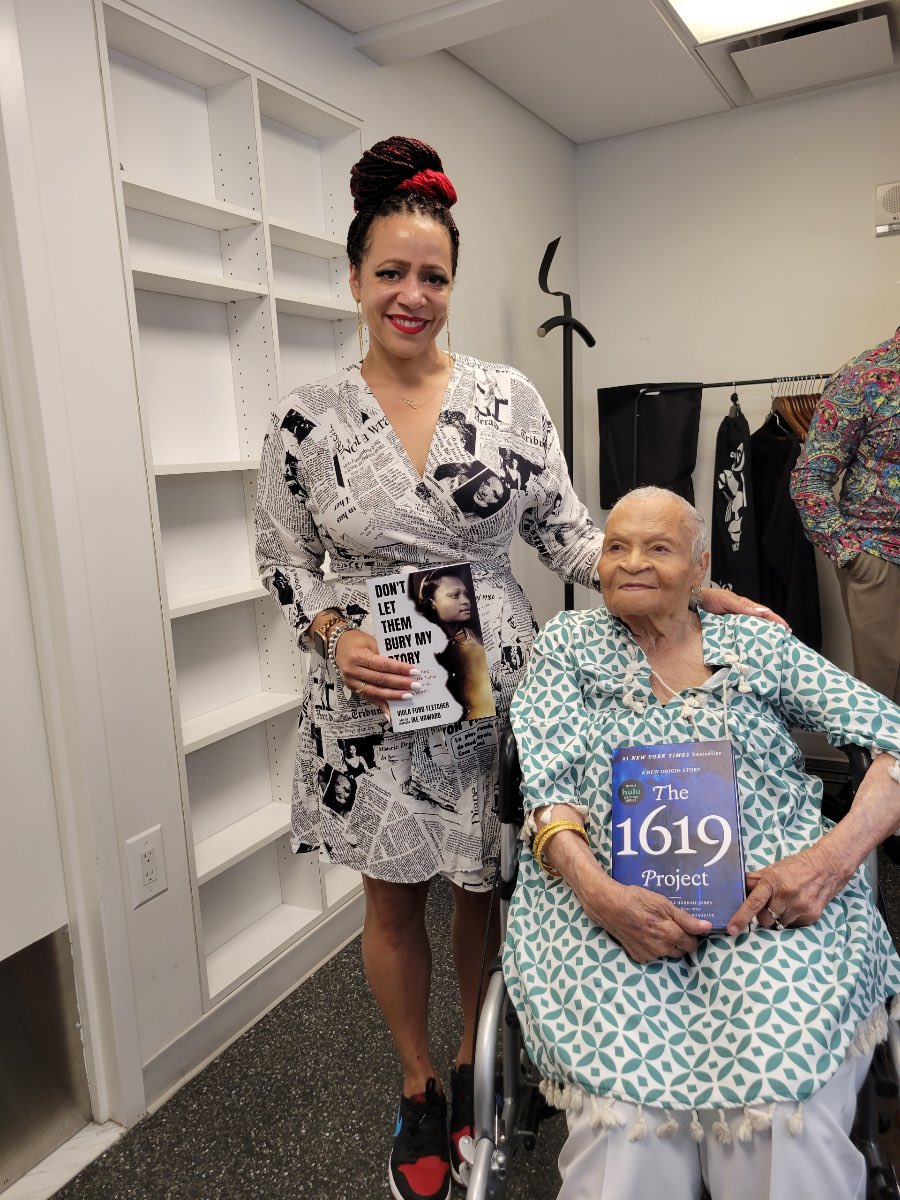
column 776, row 918
column 360, row 691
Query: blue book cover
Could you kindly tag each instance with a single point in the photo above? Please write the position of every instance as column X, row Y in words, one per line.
column 676, row 826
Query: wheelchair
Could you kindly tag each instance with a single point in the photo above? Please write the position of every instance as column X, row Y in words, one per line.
column 508, row 1104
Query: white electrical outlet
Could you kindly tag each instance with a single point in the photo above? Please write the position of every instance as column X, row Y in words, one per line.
column 146, row 865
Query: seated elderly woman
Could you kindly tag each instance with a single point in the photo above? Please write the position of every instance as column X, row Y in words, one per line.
column 685, row 1056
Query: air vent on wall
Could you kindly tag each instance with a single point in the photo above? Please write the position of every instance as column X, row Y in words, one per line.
column 807, row 54
column 887, row 209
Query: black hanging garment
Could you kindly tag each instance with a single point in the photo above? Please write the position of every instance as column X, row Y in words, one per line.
column 648, row 435
column 787, row 561
column 734, row 562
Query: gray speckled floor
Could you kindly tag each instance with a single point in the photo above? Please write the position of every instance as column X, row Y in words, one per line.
column 301, row 1107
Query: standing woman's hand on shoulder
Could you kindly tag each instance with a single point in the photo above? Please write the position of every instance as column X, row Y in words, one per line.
column 720, row 600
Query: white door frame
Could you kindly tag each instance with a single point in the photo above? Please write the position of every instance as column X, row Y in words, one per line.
column 30, row 382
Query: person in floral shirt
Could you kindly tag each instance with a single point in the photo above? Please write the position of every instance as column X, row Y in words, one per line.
column 856, row 430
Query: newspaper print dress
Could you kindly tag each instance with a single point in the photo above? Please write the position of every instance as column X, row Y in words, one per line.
column 334, row 477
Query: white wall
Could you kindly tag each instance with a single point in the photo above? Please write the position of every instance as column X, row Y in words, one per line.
column 514, row 175
column 740, row 246
column 517, row 182
column 32, row 890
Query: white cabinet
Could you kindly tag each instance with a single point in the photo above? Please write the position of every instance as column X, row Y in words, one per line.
column 233, row 203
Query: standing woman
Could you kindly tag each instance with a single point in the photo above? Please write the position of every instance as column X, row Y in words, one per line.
column 351, row 466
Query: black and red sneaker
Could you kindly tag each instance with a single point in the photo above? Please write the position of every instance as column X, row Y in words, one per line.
column 419, row 1166
column 462, row 1120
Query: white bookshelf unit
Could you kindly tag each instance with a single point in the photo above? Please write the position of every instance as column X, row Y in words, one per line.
column 233, row 202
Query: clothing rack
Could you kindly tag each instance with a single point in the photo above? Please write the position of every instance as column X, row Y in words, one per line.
column 735, row 383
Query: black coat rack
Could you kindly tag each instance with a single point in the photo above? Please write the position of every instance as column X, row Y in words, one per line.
column 568, row 324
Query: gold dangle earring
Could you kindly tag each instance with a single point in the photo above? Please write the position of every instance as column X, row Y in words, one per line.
column 449, row 348
column 359, row 331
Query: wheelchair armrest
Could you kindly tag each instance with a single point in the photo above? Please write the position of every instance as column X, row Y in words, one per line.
column 509, row 803
column 511, row 812
column 840, row 768
column 860, row 761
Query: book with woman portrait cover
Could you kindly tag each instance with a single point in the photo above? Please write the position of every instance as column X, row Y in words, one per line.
column 430, row 619
column 676, row 826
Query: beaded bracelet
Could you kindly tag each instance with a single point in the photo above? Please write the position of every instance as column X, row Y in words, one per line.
column 546, row 833
column 336, row 635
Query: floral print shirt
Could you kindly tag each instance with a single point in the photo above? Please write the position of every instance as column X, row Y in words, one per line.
column 855, row 430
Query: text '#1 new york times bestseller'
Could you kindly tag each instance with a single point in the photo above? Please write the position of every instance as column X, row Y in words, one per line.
column 676, row 826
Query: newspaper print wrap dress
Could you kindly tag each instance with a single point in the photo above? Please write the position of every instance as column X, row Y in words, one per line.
column 763, row 1017
column 334, row 477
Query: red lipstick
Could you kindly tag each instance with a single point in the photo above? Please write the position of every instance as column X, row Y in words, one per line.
column 408, row 325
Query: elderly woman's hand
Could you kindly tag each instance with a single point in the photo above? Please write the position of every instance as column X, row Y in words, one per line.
column 645, row 925
column 796, row 890
column 793, row 891
column 720, row 600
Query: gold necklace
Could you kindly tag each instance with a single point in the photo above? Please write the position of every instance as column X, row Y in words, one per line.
column 412, row 403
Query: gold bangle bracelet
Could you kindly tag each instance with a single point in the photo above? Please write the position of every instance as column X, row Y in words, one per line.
column 549, row 831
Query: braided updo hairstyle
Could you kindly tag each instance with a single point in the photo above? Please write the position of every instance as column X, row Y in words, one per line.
column 399, row 175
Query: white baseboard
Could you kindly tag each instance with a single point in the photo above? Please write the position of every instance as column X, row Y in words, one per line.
column 63, row 1164
column 202, row 1042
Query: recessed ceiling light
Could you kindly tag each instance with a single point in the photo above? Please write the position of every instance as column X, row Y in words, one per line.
column 709, row 20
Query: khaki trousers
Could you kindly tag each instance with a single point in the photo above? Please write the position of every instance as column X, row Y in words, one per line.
column 870, row 590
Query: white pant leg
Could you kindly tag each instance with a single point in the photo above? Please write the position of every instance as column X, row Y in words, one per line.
column 601, row 1164
column 819, row 1162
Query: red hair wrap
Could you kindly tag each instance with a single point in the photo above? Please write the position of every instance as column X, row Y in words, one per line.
column 434, row 184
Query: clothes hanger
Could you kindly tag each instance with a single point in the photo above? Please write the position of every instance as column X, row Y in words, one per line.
column 807, row 401
column 806, row 406
column 776, row 414
column 735, row 409
column 795, row 409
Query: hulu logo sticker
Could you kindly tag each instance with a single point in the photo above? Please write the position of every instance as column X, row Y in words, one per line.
column 631, row 791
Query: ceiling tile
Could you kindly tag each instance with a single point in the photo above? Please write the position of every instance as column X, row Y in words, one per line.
column 598, row 71
column 357, row 15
